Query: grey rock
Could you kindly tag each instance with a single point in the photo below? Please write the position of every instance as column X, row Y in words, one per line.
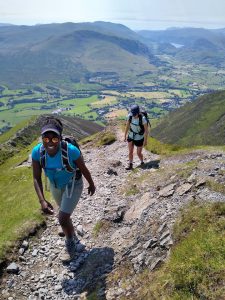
column 200, row 182
column 167, row 191
column 25, row 245
column 13, row 268
column 156, row 263
column 80, row 230
column 164, row 235
column 35, row 252
column 183, row 189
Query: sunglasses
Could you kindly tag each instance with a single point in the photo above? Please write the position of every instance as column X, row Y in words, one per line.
column 55, row 140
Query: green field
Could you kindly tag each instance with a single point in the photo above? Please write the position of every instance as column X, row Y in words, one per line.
column 22, row 111
column 42, row 99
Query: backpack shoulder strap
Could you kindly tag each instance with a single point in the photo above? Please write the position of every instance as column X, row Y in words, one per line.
column 142, row 129
column 65, row 156
column 42, row 156
column 140, row 119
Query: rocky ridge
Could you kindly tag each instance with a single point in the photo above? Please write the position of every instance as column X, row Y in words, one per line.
column 128, row 220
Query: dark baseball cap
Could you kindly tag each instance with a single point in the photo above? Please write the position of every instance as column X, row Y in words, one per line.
column 51, row 128
column 135, row 109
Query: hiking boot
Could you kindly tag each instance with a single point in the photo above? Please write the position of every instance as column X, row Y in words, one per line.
column 130, row 166
column 142, row 163
column 70, row 251
column 60, row 232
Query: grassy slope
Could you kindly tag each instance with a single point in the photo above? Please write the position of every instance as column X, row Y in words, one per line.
column 20, row 209
column 196, row 266
column 19, row 205
column 198, row 123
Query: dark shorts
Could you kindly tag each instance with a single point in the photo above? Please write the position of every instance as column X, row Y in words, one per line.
column 138, row 143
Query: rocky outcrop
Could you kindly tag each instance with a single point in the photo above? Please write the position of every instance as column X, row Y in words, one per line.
column 129, row 219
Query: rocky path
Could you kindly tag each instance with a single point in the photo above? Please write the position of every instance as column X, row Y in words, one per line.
column 129, row 218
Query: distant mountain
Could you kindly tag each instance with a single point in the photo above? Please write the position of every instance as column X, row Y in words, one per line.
column 183, row 36
column 201, row 122
column 195, row 44
column 6, row 24
column 71, row 51
column 21, row 36
column 92, row 52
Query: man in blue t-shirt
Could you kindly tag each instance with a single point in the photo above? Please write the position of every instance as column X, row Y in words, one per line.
column 135, row 135
column 65, row 186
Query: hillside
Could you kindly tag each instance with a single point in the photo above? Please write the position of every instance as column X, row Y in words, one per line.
column 104, row 52
column 15, row 140
column 74, row 52
column 137, row 228
column 201, row 122
column 196, row 45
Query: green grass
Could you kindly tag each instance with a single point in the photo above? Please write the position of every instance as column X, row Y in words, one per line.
column 7, row 135
column 86, row 86
column 106, row 138
column 7, row 91
column 16, row 117
column 196, row 268
column 100, row 226
column 132, row 189
column 200, row 122
column 215, row 186
column 157, row 147
column 79, row 107
column 99, row 139
column 20, row 209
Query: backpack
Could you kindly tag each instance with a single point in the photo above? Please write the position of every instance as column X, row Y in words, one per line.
column 65, row 157
column 142, row 113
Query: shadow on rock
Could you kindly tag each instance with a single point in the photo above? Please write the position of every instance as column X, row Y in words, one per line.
column 89, row 272
column 152, row 164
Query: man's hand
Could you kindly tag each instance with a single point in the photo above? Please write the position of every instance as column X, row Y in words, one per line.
column 91, row 190
column 145, row 143
column 46, row 207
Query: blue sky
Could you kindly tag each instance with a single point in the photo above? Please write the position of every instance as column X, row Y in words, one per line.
column 136, row 14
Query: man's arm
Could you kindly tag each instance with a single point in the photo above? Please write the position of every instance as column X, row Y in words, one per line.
column 84, row 170
column 45, row 205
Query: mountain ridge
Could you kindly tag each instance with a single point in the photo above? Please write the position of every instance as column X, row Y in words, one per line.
column 29, row 52
column 82, row 49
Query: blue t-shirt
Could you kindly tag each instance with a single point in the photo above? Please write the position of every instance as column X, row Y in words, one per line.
column 54, row 168
column 134, row 125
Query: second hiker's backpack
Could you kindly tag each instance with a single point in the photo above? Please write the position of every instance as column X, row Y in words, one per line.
column 65, row 157
column 142, row 113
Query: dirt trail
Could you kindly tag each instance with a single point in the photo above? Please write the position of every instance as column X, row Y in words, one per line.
column 130, row 217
